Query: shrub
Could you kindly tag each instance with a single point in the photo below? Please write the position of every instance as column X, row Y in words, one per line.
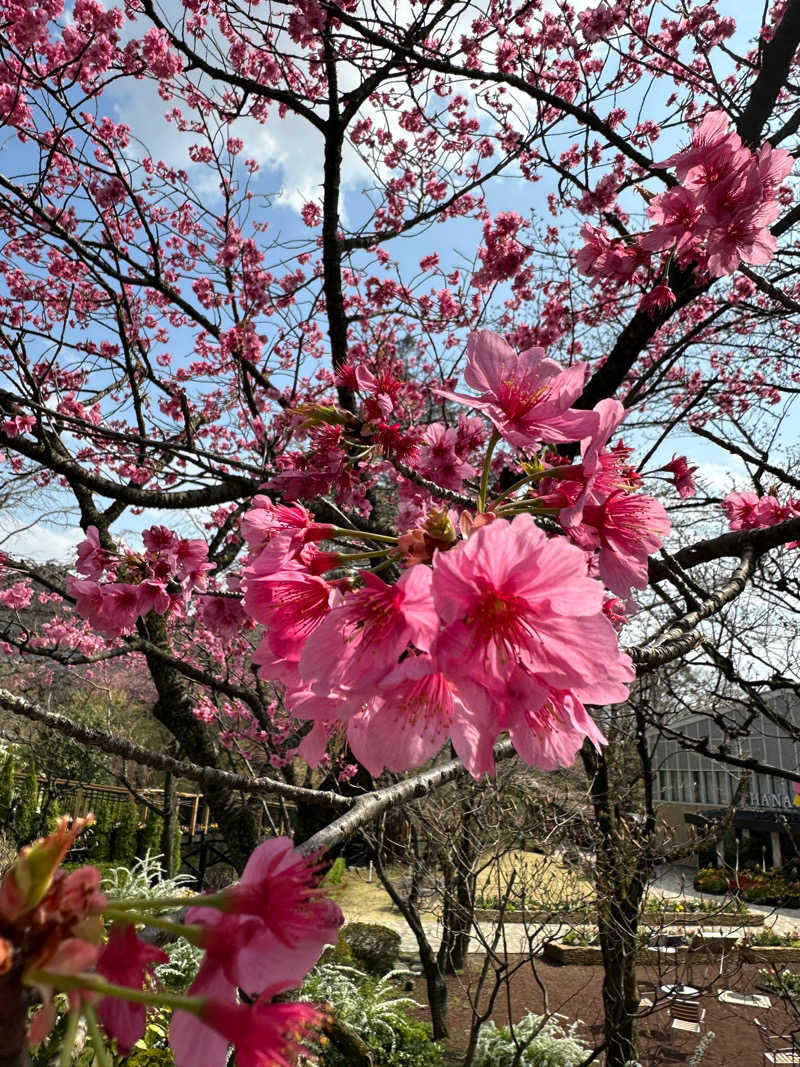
column 581, row 936
column 126, row 834
column 8, row 852
column 99, row 848
column 785, row 983
column 150, row 835
column 26, row 807
column 711, row 880
column 145, row 878
column 771, row 937
column 6, row 791
column 550, row 1044
column 373, row 947
column 370, row 1007
column 183, row 964
column 176, row 850
column 336, row 873
column 338, row 953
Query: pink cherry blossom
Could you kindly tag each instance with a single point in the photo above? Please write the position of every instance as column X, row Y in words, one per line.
column 223, row 615
column 677, row 215
column 407, row 721
column 508, row 597
column 270, row 932
column 598, row 477
column 713, row 153
column 126, row 960
column 742, row 510
column 526, row 395
column 683, row 475
column 263, row 1034
column 438, row 458
column 277, row 532
column 92, row 559
column 627, row 529
column 658, row 298
column 362, row 639
column 292, row 603
column 274, row 924
column 549, row 734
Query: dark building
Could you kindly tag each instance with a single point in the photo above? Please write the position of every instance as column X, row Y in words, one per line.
column 690, row 788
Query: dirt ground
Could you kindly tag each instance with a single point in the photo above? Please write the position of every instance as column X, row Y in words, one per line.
column 576, row 992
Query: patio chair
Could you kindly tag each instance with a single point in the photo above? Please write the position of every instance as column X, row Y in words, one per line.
column 776, row 1053
column 687, row 1016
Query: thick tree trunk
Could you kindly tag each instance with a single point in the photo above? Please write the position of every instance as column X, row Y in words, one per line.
column 619, row 886
column 618, row 927
column 239, row 821
column 436, row 987
column 459, row 898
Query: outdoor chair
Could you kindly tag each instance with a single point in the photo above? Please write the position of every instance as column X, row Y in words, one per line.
column 776, row 1052
column 687, row 1016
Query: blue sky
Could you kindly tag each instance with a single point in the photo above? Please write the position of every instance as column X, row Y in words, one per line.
column 289, row 153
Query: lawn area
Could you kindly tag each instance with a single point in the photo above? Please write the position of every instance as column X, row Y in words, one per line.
column 541, row 877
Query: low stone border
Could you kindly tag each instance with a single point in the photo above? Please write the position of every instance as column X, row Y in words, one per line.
column 592, row 955
column 769, row 954
column 652, row 918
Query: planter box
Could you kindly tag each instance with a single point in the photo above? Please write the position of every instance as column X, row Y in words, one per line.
column 733, row 919
column 653, row 918
column 769, row 954
column 592, row 955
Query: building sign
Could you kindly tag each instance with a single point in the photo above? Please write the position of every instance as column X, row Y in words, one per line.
column 769, row 800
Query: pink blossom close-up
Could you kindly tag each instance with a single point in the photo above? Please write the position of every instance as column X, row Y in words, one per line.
column 526, row 396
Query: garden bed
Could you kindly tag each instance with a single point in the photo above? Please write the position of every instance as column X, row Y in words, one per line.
column 770, row 954
column 735, row 919
column 592, row 955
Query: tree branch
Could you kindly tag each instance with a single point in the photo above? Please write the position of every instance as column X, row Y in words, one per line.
column 206, row 776
column 371, row 805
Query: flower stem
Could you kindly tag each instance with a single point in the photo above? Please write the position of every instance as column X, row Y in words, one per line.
column 520, row 507
column 486, row 467
column 349, row 557
column 209, row 900
column 128, row 915
column 98, row 1044
column 363, row 535
column 67, row 1045
column 534, row 476
column 95, row 983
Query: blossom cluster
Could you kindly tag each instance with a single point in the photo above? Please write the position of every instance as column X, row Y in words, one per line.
column 260, row 936
column 493, row 624
column 718, row 216
column 748, row 511
column 119, row 589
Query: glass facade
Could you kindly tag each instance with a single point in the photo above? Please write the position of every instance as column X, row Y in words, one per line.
column 686, row 777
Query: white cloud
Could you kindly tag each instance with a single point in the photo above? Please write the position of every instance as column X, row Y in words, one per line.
column 723, row 476
column 41, row 542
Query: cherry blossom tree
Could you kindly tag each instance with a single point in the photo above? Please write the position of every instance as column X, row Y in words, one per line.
column 346, row 493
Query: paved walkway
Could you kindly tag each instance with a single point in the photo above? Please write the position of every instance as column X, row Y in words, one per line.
column 670, row 882
column 677, row 882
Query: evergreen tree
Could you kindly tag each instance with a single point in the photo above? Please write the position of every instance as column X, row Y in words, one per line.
column 6, row 791
column 100, row 845
column 150, row 836
column 26, row 807
column 176, row 850
column 126, row 835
